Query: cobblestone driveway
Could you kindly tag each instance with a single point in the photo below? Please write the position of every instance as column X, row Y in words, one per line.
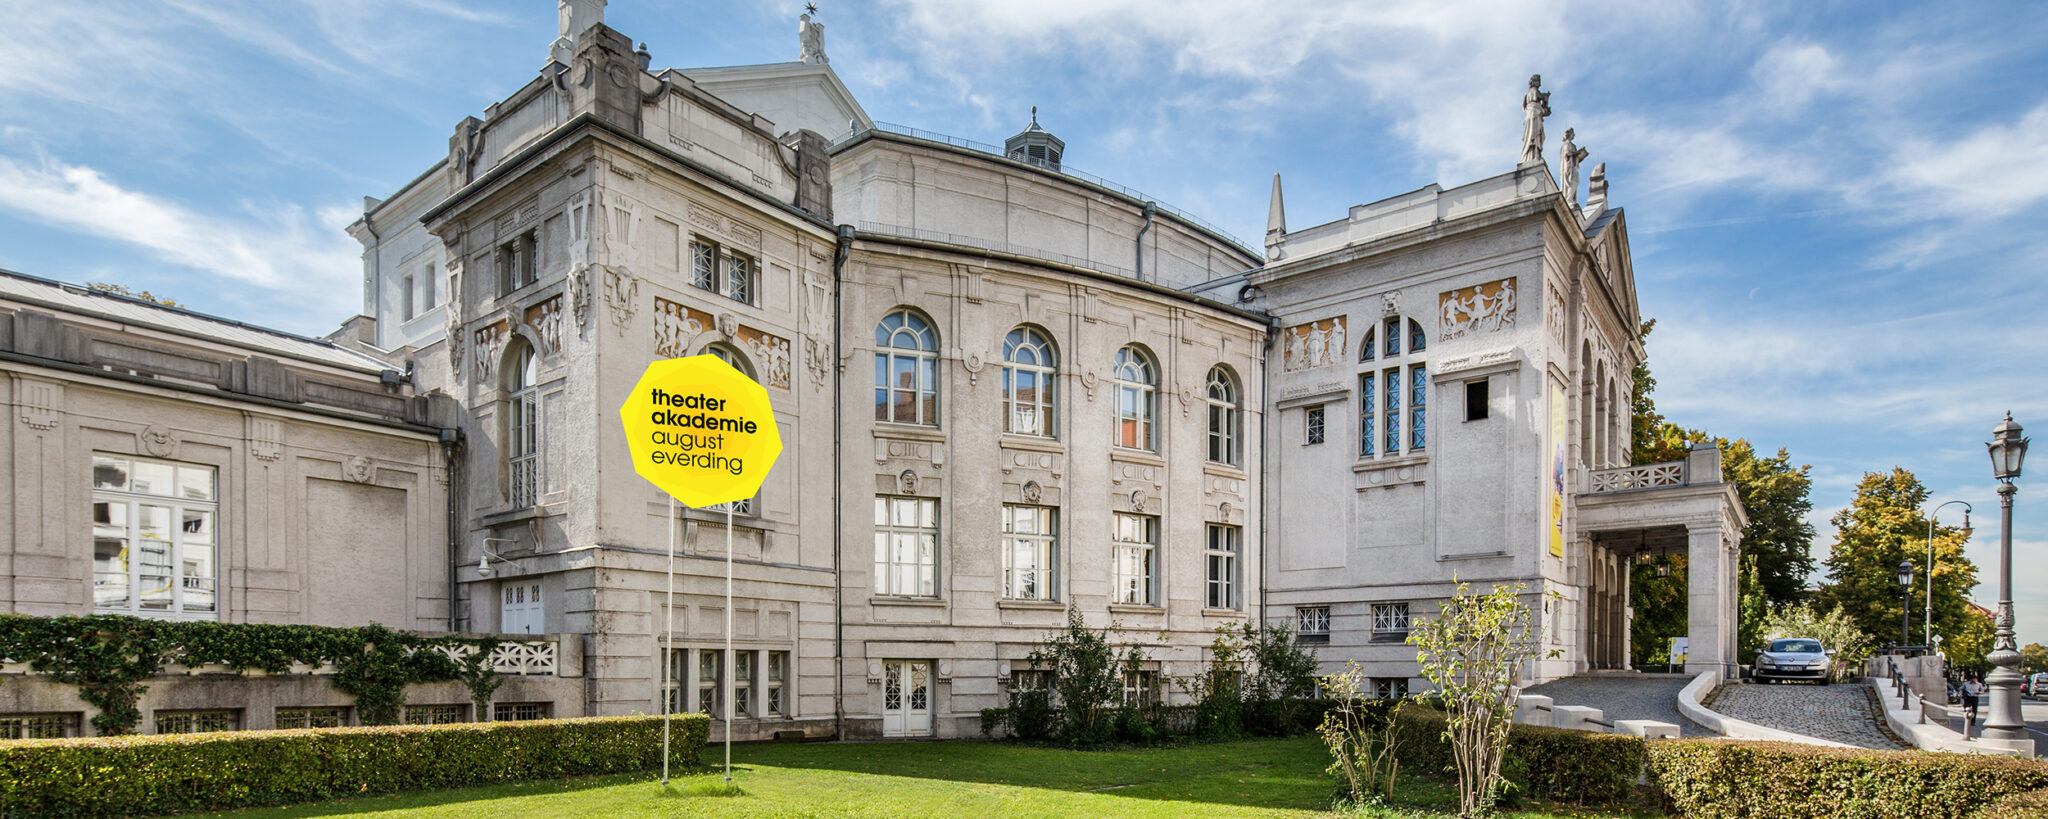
column 1842, row 712
column 1621, row 697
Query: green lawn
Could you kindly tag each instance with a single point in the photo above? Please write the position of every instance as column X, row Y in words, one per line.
column 1258, row 778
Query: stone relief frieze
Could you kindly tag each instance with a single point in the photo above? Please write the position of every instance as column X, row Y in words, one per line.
column 770, row 353
column 674, row 326
column 621, row 292
column 489, row 341
column 1481, row 308
column 579, row 295
column 546, row 320
column 158, row 440
column 1557, row 316
column 41, row 404
column 1314, row 344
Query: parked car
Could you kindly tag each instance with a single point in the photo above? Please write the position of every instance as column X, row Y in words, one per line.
column 2035, row 686
column 1792, row 658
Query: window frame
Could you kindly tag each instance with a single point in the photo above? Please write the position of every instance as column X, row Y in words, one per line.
column 887, row 567
column 1391, row 622
column 1483, row 408
column 523, row 444
column 1043, row 545
column 1314, row 425
column 1226, row 417
column 1044, row 408
column 1135, row 399
column 923, row 361
column 177, row 508
column 717, row 268
column 775, row 686
column 1311, row 624
column 1229, row 559
column 1134, row 560
column 1393, row 390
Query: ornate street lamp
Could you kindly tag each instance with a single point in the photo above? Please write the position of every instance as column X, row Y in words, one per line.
column 1927, row 620
column 2008, row 449
column 1905, row 604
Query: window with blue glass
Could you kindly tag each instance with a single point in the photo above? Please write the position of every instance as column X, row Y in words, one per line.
column 1393, row 389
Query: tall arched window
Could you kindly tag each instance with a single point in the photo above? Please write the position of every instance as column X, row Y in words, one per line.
column 1029, row 369
column 906, row 369
column 522, row 425
column 731, row 355
column 1137, row 399
column 1226, row 415
column 1393, row 394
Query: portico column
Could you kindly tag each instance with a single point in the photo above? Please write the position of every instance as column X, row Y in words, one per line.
column 1628, row 614
column 1710, row 622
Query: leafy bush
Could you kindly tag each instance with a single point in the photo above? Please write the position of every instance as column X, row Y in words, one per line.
column 1472, row 651
column 117, row 776
column 1557, row 764
column 1723, row 778
column 2027, row 805
column 1359, row 734
column 1088, row 674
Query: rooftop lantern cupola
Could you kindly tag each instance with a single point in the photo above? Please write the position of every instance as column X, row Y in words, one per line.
column 1035, row 146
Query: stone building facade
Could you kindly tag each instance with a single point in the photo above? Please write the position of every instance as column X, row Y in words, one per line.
column 1006, row 390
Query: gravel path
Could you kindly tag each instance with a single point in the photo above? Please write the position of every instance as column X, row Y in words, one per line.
column 1620, row 697
column 1842, row 713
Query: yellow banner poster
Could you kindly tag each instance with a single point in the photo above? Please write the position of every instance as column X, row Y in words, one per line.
column 700, row 430
column 1557, row 460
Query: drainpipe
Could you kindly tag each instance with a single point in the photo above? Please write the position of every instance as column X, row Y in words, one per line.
column 839, row 256
column 376, row 271
column 451, row 444
column 1151, row 210
column 1265, row 475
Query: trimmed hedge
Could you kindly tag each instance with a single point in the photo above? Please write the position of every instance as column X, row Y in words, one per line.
column 169, row 773
column 1557, row 764
column 2028, row 805
column 1728, row 778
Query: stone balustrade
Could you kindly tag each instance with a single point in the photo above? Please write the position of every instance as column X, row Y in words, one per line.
column 1645, row 476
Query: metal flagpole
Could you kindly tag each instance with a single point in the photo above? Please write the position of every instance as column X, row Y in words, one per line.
column 730, row 660
column 668, row 654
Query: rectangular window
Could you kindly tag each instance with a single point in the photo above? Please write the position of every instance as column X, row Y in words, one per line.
column 197, row 722
column 1036, row 679
column 1389, row 688
column 1476, row 400
column 1222, row 553
column 1390, row 622
column 743, row 685
column 773, row 688
column 405, row 311
column 519, row 711
column 1314, row 432
column 1390, row 416
column 1136, row 560
column 529, row 270
column 1368, row 410
column 1312, row 624
column 906, row 546
column 446, row 714
column 704, row 265
column 1418, row 406
column 741, row 273
column 331, row 717
column 1030, row 553
column 427, row 288
column 507, row 263
column 523, row 452
column 710, row 681
column 38, row 726
column 1141, row 687
column 154, row 538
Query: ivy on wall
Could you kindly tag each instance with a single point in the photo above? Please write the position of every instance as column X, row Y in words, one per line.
column 108, row 656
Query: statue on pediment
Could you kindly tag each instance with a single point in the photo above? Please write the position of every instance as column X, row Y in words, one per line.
column 1571, row 155
column 1535, row 106
column 812, row 36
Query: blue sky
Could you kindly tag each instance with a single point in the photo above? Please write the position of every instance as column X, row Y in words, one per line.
column 1834, row 206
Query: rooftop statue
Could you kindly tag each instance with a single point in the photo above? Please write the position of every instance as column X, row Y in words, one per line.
column 812, row 36
column 1571, row 155
column 1535, row 106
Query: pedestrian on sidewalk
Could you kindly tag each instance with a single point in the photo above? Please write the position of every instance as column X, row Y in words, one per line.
column 1971, row 689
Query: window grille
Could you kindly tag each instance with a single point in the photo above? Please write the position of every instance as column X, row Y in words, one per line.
column 519, row 711
column 743, row 684
column 1314, row 432
column 906, row 546
column 197, row 722
column 704, row 265
column 328, row 717
column 1312, row 624
column 1030, row 553
column 444, row 714
column 1389, row 622
column 38, row 726
column 1389, row 688
column 1136, row 559
column 710, row 665
column 741, row 273
column 1030, row 368
column 773, row 685
column 523, row 429
column 154, row 538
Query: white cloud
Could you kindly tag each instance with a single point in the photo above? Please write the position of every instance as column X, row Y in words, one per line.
column 1997, row 170
column 282, row 248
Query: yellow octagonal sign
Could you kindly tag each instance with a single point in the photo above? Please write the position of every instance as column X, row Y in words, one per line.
column 700, row 430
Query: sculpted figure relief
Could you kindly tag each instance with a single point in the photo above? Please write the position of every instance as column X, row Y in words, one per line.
column 1535, row 106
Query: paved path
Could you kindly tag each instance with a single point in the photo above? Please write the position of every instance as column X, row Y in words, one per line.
column 1842, row 712
column 1623, row 697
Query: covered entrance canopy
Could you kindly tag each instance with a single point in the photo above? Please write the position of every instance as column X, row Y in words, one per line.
column 1677, row 508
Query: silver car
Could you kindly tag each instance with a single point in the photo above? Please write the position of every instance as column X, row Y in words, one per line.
column 1794, row 658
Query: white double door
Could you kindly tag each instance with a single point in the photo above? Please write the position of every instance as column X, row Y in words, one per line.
column 906, row 698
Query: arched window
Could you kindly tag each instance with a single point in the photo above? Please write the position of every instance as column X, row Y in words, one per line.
column 906, row 369
column 522, row 425
column 731, row 355
column 1393, row 396
column 1137, row 399
column 1226, row 415
column 1029, row 369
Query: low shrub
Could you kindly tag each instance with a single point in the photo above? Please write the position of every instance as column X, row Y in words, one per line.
column 168, row 773
column 1724, row 778
column 1554, row 763
column 2027, row 805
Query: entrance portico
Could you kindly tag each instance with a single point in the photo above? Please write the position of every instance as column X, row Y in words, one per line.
column 1677, row 508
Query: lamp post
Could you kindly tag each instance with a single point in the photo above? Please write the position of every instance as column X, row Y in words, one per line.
column 1928, row 619
column 1905, row 604
column 2008, row 449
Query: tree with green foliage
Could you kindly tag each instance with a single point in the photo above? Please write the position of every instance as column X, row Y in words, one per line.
column 1883, row 526
column 1846, row 643
column 1088, row 675
column 2034, row 658
column 1660, row 609
column 1750, row 613
column 1472, row 651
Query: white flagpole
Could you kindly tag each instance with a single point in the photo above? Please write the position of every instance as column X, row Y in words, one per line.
column 731, row 667
column 668, row 678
